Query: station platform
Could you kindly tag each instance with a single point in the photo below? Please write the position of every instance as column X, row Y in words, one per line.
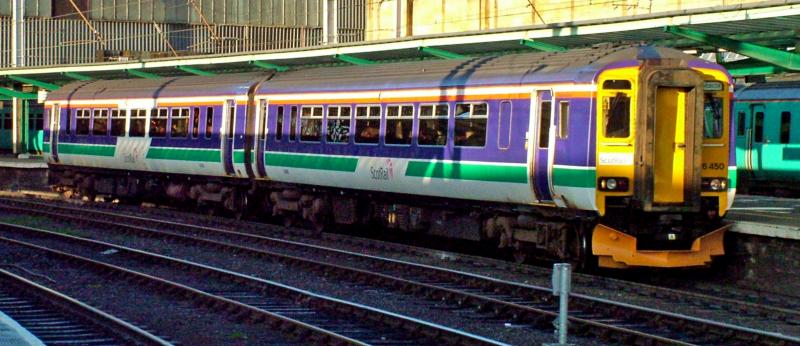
column 25, row 173
column 29, row 162
column 766, row 216
column 12, row 333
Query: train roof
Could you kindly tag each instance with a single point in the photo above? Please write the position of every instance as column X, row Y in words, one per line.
column 785, row 90
column 574, row 66
column 182, row 86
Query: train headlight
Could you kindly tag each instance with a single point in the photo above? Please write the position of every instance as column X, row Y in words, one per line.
column 615, row 184
column 715, row 184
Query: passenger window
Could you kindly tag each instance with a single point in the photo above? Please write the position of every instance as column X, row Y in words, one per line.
column 545, row 110
column 617, row 116
column 399, row 122
column 180, row 123
column 231, row 118
column 504, row 128
column 209, row 122
column 712, row 117
column 100, row 122
column 311, row 124
column 786, row 125
column 195, row 122
column 158, row 123
column 82, row 119
column 279, row 125
column 740, row 124
column 759, row 128
column 368, row 124
column 118, row 122
column 338, row 125
column 138, row 122
column 293, row 124
column 470, row 126
column 433, row 124
column 69, row 121
column 262, row 121
column 563, row 119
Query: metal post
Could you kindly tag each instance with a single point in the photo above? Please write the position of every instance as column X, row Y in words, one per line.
column 17, row 60
column 561, row 287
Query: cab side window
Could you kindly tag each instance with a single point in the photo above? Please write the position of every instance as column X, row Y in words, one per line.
column 617, row 109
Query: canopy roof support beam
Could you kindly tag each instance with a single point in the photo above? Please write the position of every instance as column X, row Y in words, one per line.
column 34, row 82
column 76, row 76
column 781, row 58
column 18, row 94
column 195, row 71
column 353, row 60
column 269, row 66
column 441, row 53
column 542, row 46
column 142, row 74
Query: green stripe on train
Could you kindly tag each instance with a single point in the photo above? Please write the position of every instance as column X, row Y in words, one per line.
column 574, row 177
column 732, row 176
column 328, row 163
column 466, row 171
column 86, row 149
column 183, row 154
column 45, row 147
column 238, row 156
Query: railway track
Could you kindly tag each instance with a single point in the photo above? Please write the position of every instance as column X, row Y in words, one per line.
column 528, row 304
column 56, row 319
column 303, row 315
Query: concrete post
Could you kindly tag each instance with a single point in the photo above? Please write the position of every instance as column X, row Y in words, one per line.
column 330, row 25
column 17, row 60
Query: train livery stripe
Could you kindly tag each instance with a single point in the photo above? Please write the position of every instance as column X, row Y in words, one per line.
column 465, row 171
column 182, row 154
column 45, row 147
column 86, row 149
column 732, row 176
column 328, row 163
column 574, row 176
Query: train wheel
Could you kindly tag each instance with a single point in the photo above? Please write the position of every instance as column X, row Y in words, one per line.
column 581, row 257
column 520, row 252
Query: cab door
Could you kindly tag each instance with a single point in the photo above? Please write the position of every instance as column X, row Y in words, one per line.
column 55, row 126
column 227, row 135
column 542, row 112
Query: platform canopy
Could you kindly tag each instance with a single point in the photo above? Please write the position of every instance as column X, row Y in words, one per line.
column 766, row 31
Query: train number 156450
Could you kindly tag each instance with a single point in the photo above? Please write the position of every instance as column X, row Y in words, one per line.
column 714, row 165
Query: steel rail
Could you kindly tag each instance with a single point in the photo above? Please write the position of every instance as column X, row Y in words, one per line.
column 125, row 332
column 427, row 330
column 593, row 305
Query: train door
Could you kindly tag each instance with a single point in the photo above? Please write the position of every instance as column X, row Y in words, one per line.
column 542, row 111
column 261, row 136
column 228, row 126
column 755, row 139
column 55, row 126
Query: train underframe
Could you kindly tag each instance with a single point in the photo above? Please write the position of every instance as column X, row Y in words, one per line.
column 525, row 232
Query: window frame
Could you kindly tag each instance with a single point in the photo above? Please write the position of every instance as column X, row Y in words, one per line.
column 321, row 118
column 400, row 116
column 170, row 122
column 83, row 111
column 436, row 117
column 500, row 123
column 611, row 93
column 788, row 123
column 208, row 132
column 562, row 132
column 155, row 114
column 350, row 136
column 130, row 117
column 380, row 116
column 456, row 117
column 122, row 113
column 741, row 128
column 540, row 127
column 758, row 129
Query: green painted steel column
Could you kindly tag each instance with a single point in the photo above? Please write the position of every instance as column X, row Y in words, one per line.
column 25, row 128
column 781, row 58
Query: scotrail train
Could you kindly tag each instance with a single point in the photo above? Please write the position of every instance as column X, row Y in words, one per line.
column 615, row 154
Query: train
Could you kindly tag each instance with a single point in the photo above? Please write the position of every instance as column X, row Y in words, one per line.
column 34, row 128
column 768, row 137
column 612, row 156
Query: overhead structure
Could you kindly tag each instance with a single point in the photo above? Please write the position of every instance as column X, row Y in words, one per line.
column 764, row 24
column 777, row 57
